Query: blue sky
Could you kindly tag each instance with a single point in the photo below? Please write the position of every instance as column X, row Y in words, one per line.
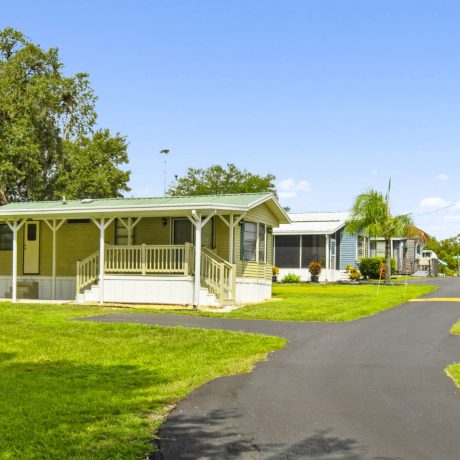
column 332, row 97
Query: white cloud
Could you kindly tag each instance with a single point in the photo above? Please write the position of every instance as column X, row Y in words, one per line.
column 434, row 202
column 443, row 177
column 288, row 188
column 287, row 194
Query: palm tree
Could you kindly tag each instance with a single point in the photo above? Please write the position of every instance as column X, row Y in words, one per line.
column 371, row 215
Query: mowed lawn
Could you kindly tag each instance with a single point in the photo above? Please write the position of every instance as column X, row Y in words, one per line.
column 454, row 369
column 77, row 390
column 322, row 302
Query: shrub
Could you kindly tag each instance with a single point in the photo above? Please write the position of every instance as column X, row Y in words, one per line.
column 353, row 273
column 314, row 268
column 370, row 267
column 291, row 278
column 275, row 270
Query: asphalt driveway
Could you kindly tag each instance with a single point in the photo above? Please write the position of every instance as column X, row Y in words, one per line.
column 374, row 388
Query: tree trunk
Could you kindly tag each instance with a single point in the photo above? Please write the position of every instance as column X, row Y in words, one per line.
column 3, row 197
column 387, row 261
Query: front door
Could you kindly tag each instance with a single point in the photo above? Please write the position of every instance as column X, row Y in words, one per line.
column 32, row 248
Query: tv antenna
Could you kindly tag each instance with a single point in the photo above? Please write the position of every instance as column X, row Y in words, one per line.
column 164, row 152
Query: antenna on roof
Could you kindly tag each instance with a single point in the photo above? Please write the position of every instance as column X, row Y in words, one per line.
column 164, row 152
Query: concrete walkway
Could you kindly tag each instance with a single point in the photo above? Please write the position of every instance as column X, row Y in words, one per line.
column 369, row 389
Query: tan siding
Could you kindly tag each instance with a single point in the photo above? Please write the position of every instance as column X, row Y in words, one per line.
column 261, row 214
column 76, row 242
column 150, row 230
column 221, row 238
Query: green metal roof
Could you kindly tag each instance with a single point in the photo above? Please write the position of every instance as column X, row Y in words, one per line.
column 238, row 202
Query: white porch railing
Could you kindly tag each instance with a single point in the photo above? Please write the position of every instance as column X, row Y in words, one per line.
column 143, row 259
column 87, row 271
column 218, row 275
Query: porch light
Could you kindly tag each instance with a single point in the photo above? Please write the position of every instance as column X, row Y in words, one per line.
column 164, row 221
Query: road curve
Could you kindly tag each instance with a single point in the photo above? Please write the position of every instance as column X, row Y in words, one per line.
column 374, row 388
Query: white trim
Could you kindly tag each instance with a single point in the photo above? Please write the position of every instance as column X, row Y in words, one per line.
column 15, row 227
column 54, row 227
column 102, row 225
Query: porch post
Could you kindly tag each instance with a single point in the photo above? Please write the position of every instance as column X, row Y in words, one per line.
column 14, row 227
column 199, row 223
column 230, row 240
column 101, row 259
column 54, row 228
column 102, row 225
column 197, row 286
column 328, row 255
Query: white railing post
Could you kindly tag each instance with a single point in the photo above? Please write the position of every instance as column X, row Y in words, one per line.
column 221, row 283
column 77, row 280
column 143, row 260
column 186, row 258
column 233, row 282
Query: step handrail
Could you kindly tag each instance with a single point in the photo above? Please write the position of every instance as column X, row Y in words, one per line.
column 218, row 275
column 87, row 271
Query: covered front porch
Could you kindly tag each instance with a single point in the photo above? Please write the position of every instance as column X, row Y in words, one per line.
column 139, row 273
column 200, row 251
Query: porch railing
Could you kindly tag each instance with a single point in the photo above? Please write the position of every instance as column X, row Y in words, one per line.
column 87, row 271
column 144, row 259
column 218, row 275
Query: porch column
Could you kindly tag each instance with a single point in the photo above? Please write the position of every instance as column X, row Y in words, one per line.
column 199, row 223
column 102, row 225
column 14, row 227
column 54, row 226
column 328, row 255
column 230, row 239
column 197, row 286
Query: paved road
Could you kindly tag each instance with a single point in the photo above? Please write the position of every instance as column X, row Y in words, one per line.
column 369, row 389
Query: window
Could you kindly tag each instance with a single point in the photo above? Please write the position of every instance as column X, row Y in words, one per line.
column 183, row 232
column 6, row 238
column 313, row 249
column 362, row 247
column 262, row 242
column 248, row 241
column 121, row 234
column 207, row 235
column 31, row 232
column 287, row 251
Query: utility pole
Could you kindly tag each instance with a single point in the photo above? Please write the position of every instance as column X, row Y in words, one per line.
column 164, row 152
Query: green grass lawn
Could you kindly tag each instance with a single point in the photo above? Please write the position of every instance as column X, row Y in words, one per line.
column 320, row 302
column 453, row 370
column 77, row 390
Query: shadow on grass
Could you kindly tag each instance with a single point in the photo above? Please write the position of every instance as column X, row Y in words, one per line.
column 215, row 435
column 65, row 410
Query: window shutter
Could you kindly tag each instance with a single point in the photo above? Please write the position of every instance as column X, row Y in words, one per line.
column 242, row 240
